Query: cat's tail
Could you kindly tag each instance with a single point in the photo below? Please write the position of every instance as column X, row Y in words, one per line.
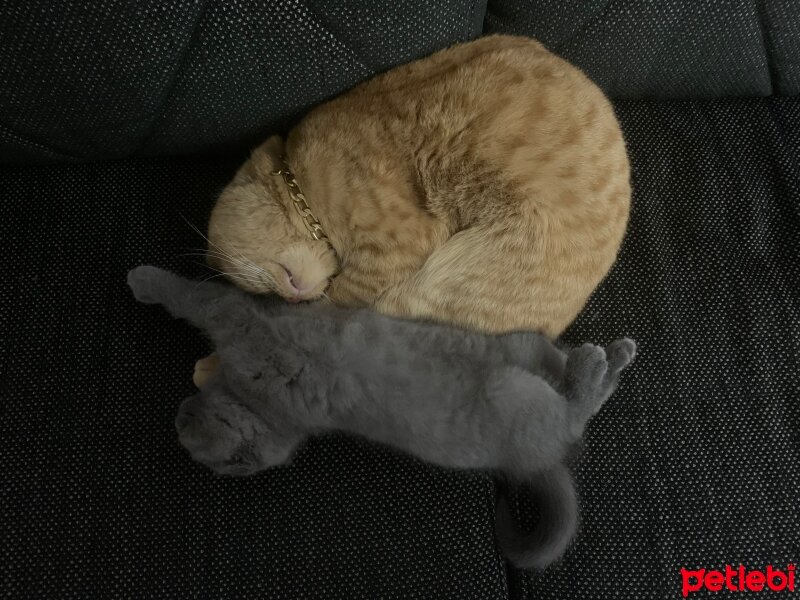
column 554, row 493
column 196, row 302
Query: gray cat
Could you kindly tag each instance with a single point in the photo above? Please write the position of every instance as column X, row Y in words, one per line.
column 511, row 404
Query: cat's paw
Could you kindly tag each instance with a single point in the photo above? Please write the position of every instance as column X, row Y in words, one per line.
column 143, row 283
column 586, row 368
column 620, row 354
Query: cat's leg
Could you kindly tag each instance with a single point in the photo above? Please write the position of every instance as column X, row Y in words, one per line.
column 492, row 279
column 585, row 383
column 535, row 353
column 620, row 354
column 202, row 303
column 531, row 418
column 151, row 285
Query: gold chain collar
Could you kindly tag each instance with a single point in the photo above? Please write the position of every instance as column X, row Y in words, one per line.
column 300, row 204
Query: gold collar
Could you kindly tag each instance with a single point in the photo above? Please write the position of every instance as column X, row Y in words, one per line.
column 300, row 204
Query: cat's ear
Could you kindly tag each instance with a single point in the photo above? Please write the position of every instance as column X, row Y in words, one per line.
column 274, row 148
column 267, row 158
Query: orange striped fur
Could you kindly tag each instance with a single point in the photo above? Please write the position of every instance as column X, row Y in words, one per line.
column 485, row 186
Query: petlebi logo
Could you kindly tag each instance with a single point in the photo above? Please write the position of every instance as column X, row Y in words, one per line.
column 738, row 579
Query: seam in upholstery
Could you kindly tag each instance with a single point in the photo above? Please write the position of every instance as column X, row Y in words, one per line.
column 475, row 26
column 601, row 12
column 766, row 42
column 169, row 88
column 321, row 22
column 25, row 141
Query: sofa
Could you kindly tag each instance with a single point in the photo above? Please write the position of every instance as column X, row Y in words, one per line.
column 121, row 121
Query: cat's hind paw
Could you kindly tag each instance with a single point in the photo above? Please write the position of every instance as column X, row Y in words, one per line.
column 620, row 354
column 586, row 368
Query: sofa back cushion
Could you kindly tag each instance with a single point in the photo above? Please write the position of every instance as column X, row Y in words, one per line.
column 667, row 48
column 99, row 79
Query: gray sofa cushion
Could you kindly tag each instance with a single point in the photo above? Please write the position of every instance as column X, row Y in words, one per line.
column 98, row 80
column 666, row 48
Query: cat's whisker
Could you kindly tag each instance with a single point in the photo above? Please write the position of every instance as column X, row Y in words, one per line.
column 206, row 279
column 219, row 255
column 195, row 254
column 224, row 274
column 241, row 260
column 242, row 264
column 196, row 230
column 231, row 274
column 219, row 249
column 252, row 272
column 242, row 277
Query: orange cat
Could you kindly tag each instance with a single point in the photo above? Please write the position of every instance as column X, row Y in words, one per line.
column 485, row 186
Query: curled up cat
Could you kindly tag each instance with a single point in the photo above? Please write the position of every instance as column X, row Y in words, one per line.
column 510, row 404
column 485, row 186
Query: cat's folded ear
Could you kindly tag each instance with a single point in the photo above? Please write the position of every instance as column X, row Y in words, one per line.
column 267, row 158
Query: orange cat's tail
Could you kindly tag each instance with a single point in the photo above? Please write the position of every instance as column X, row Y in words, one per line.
column 554, row 494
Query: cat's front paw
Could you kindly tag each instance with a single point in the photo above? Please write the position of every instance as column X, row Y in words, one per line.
column 143, row 282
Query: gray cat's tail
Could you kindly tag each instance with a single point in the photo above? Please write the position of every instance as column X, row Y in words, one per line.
column 554, row 494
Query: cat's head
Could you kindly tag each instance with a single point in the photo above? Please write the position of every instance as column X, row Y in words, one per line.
column 228, row 437
column 258, row 240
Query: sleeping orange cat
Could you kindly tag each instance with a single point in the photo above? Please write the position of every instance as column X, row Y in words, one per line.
column 485, row 186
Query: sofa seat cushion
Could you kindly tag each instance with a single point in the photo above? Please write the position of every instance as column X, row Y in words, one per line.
column 695, row 462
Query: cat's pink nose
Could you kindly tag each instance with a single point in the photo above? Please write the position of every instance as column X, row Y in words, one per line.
column 298, row 288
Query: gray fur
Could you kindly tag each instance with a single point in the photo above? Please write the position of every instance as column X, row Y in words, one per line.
column 511, row 404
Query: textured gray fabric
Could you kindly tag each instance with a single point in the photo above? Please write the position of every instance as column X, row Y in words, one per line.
column 781, row 19
column 84, row 80
column 99, row 80
column 252, row 69
column 650, row 48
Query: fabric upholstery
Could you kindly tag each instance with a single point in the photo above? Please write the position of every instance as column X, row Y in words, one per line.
column 781, row 20
column 100, row 80
column 693, row 463
column 666, row 48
